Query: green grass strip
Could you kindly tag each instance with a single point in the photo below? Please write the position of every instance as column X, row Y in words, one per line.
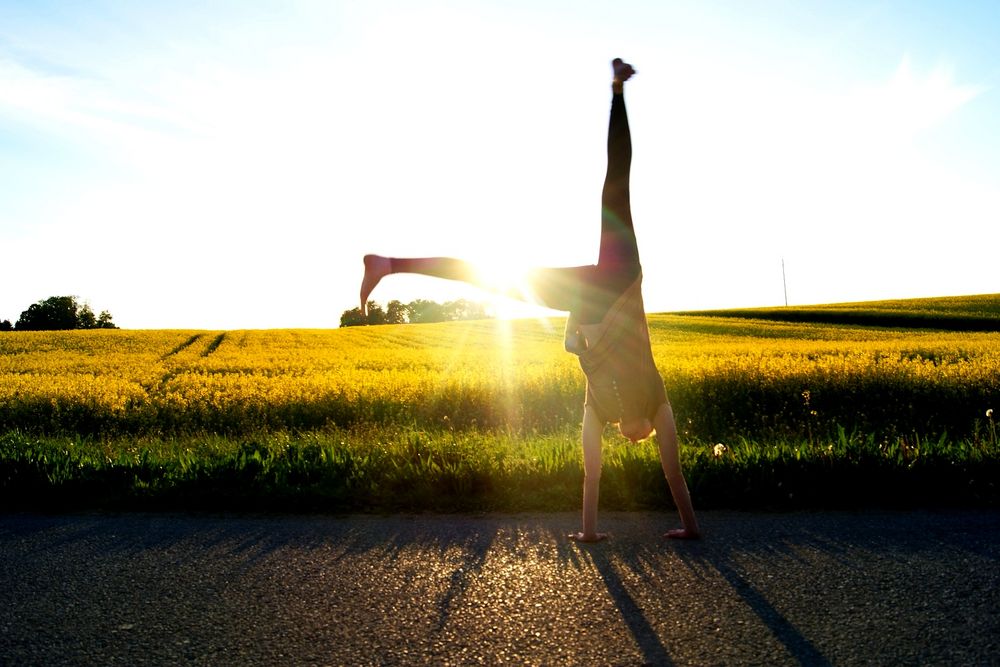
column 471, row 471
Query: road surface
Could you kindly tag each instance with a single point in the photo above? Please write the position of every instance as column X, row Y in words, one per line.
column 834, row 588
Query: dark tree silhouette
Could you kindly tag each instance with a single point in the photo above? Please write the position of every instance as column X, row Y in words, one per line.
column 104, row 321
column 59, row 313
column 419, row 311
column 422, row 311
column 396, row 313
column 375, row 313
column 5, row 325
column 85, row 318
column 352, row 318
column 463, row 309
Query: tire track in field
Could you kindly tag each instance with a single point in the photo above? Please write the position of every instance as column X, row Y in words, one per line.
column 183, row 346
column 173, row 371
column 214, row 345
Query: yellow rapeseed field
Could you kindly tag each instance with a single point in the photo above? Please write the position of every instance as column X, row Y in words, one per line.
column 725, row 377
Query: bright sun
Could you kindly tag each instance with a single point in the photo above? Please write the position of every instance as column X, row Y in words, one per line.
column 508, row 291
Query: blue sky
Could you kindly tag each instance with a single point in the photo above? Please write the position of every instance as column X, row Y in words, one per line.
column 226, row 166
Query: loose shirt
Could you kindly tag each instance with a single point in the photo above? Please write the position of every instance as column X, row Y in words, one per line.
column 622, row 381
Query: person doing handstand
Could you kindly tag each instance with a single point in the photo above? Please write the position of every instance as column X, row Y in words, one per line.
column 606, row 327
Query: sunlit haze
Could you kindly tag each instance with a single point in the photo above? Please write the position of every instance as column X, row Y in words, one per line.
column 226, row 165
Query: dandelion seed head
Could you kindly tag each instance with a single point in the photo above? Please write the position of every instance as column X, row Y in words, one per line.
column 719, row 449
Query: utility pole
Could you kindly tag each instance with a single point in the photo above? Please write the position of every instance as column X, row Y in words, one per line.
column 784, row 283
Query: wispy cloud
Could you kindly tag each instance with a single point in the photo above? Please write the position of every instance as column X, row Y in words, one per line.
column 911, row 102
column 83, row 108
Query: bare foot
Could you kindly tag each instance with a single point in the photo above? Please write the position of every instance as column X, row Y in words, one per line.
column 376, row 268
column 682, row 534
column 581, row 537
column 623, row 71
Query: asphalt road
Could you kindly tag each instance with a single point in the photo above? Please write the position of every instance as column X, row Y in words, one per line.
column 763, row 589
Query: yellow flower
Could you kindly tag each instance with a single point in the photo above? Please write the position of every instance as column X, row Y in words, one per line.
column 719, row 450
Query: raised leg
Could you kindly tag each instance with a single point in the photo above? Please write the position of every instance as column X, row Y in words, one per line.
column 619, row 253
column 556, row 288
column 618, row 257
column 584, row 291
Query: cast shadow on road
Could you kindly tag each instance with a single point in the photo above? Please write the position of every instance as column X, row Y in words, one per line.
column 616, row 564
column 633, row 565
column 624, row 559
column 797, row 645
column 643, row 632
column 744, row 553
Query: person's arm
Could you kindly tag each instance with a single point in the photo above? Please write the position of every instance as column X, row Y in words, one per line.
column 574, row 340
column 593, row 429
column 666, row 439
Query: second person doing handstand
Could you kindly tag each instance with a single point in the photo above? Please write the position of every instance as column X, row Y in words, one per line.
column 606, row 326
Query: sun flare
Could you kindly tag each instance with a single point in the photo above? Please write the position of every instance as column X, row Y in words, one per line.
column 508, row 290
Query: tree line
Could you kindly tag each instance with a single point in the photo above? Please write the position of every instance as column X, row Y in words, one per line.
column 59, row 313
column 416, row 312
